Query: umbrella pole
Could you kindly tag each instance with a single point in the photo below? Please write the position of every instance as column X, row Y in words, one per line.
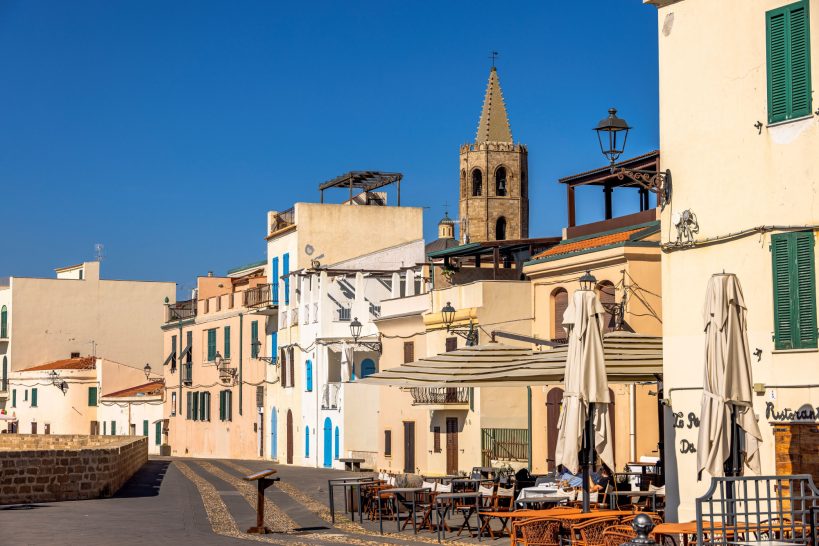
column 733, row 467
column 588, row 456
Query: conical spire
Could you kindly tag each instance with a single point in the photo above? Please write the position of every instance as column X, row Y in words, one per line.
column 494, row 124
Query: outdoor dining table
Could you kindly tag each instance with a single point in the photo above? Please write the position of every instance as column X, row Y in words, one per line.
column 351, row 484
column 409, row 494
column 462, row 483
column 440, row 502
column 613, row 495
column 553, row 499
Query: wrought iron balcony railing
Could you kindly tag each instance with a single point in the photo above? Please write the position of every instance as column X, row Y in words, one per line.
column 181, row 310
column 344, row 314
column 439, row 395
column 259, row 296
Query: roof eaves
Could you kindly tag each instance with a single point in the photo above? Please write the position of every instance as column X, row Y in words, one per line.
column 555, row 257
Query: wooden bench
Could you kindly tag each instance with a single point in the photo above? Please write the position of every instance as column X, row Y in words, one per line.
column 352, row 465
column 263, row 481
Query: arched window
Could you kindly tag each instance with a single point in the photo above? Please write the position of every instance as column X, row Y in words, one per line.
column 500, row 229
column 463, row 183
column 477, row 183
column 605, row 293
column 560, row 301
column 500, row 182
column 308, row 374
column 307, row 442
column 4, row 323
column 337, row 443
column 367, row 367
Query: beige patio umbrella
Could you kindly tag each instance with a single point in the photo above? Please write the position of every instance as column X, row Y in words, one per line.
column 586, row 393
column 726, row 397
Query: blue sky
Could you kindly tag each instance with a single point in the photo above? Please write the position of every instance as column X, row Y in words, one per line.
column 165, row 130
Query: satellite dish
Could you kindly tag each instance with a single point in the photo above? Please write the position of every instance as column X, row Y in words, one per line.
column 308, row 249
column 676, row 218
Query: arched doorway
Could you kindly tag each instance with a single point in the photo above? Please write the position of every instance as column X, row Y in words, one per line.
column 328, row 442
column 289, row 437
column 554, row 402
column 274, row 440
column 367, row 367
column 500, row 229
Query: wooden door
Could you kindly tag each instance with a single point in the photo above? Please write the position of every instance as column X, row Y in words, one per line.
column 409, row 447
column 554, row 401
column 451, row 445
column 289, row 437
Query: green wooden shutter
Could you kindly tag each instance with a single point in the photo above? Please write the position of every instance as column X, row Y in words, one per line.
column 201, row 406
column 188, row 406
column 92, row 396
column 221, row 405
column 783, row 320
column 14, row 398
column 145, row 427
column 794, row 283
column 803, row 242
column 227, row 342
column 113, row 428
column 195, row 410
column 104, row 428
column 254, row 338
column 788, row 56
column 229, row 399
column 34, row 397
column 211, row 344
column 158, row 433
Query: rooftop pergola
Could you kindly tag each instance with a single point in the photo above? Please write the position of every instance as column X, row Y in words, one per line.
column 366, row 181
column 609, row 180
column 494, row 250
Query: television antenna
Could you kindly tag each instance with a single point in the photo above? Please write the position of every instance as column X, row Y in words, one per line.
column 98, row 251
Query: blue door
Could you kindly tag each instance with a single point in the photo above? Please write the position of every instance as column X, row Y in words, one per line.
column 367, row 367
column 337, row 444
column 328, row 442
column 274, row 441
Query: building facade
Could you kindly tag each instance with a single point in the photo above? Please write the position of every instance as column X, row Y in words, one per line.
column 739, row 132
column 136, row 411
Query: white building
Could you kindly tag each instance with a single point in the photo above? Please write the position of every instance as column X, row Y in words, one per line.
column 136, row 411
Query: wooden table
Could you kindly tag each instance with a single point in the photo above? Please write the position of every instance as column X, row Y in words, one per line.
column 567, row 516
column 613, row 495
column 544, row 499
column 398, row 492
column 507, row 516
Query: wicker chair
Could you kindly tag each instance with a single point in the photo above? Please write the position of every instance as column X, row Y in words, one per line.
column 590, row 533
column 617, row 535
column 536, row 532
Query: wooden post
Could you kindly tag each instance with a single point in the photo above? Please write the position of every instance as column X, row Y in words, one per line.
column 570, row 204
column 607, row 190
column 262, row 482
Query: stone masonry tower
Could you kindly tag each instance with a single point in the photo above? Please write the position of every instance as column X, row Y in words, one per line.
column 494, row 200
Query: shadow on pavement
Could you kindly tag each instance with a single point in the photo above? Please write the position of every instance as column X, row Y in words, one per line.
column 146, row 482
column 24, row 507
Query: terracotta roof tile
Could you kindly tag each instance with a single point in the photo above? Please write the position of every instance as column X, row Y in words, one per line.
column 81, row 363
column 148, row 389
column 592, row 242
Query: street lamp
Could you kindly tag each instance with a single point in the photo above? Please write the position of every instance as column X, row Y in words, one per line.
column 448, row 315
column 147, row 370
column 355, row 329
column 218, row 360
column 448, row 318
column 355, row 332
column 587, row 281
column 612, row 133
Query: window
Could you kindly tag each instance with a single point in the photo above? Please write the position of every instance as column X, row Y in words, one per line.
column 275, row 278
column 560, row 302
column 206, row 305
column 500, row 182
column 189, row 354
column 225, row 405
column 286, row 274
column 500, row 229
column 92, row 396
column 451, row 344
column 113, row 428
column 254, row 339
column 606, row 293
column 387, row 443
column 34, row 397
column 104, row 428
column 227, row 342
column 211, row 344
column 308, row 376
column 788, row 52
column 173, row 403
column 409, row 351
column 145, row 427
column 230, row 300
column 306, row 441
column 25, row 395
column 14, row 398
column 794, row 290
column 436, row 439
column 189, row 406
column 5, row 384
column 158, row 432
column 173, row 352
column 4, row 322
column 195, row 408
column 477, row 183
column 463, row 183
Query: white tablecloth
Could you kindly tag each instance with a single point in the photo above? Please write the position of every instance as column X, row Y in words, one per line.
column 538, row 491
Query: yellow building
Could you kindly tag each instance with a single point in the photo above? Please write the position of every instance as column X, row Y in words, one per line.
column 739, row 132
column 215, row 380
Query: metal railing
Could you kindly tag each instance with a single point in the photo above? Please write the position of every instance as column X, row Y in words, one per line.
column 344, row 314
column 439, row 395
column 181, row 310
column 510, row 444
column 375, row 310
column 187, row 373
column 330, row 396
column 758, row 508
column 283, row 219
column 259, row 296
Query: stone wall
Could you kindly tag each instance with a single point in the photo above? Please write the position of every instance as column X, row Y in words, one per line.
column 48, row 468
column 796, row 447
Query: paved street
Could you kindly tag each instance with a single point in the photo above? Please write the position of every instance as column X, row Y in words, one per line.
column 202, row 502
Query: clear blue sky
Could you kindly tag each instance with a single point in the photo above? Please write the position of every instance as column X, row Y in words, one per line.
column 166, row 130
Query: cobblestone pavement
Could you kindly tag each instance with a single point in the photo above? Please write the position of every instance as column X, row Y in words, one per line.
column 203, row 502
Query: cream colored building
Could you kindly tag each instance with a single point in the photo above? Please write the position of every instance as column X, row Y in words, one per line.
column 136, row 411
column 214, row 404
column 78, row 313
column 740, row 133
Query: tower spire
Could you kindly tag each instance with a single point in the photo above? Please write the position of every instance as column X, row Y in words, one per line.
column 494, row 123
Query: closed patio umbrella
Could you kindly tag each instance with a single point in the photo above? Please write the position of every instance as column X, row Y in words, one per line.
column 586, row 394
column 727, row 417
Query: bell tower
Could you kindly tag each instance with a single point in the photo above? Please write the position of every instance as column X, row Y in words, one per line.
column 494, row 198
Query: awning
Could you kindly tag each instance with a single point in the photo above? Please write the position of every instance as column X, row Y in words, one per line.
column 168, row 360
column 630, row 358
column 185, row 351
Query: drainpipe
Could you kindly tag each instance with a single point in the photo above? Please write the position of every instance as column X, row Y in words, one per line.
column 529, row 427
column 179, row 368
column 632, row 421
column 241, row 358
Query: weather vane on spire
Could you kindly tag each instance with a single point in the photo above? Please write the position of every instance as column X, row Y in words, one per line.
column 493, row 55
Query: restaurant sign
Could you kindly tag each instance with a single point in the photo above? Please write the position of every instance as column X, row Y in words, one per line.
column 803, row 413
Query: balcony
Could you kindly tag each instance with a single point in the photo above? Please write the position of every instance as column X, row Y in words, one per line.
column 439, row 396
column 181, row 310
column 260, row 297
column 344, row 314
column 283, row 219
column 187, row 373
column 330, row 395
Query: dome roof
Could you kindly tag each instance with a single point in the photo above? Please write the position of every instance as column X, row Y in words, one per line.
column 446, row 220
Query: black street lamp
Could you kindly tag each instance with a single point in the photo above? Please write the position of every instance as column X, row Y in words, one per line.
column 355, row 329
column 147, row 370
column 355, row 332
column 587, row 281
column 448, row 318
column 612, row 133
column 448, row 315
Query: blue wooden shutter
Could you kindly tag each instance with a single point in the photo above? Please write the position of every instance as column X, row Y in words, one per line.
column 308, row 372
column 337, row 444
column 286, row 273
column 4, row 322
column 227, row 342
column 274, row 342
column 275, row 280
column 306, row 441
column 145, row 427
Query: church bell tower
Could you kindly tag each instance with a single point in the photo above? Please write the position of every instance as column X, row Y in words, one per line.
column 494, row 198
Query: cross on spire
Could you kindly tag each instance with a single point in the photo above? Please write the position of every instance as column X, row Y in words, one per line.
column 493, row 55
